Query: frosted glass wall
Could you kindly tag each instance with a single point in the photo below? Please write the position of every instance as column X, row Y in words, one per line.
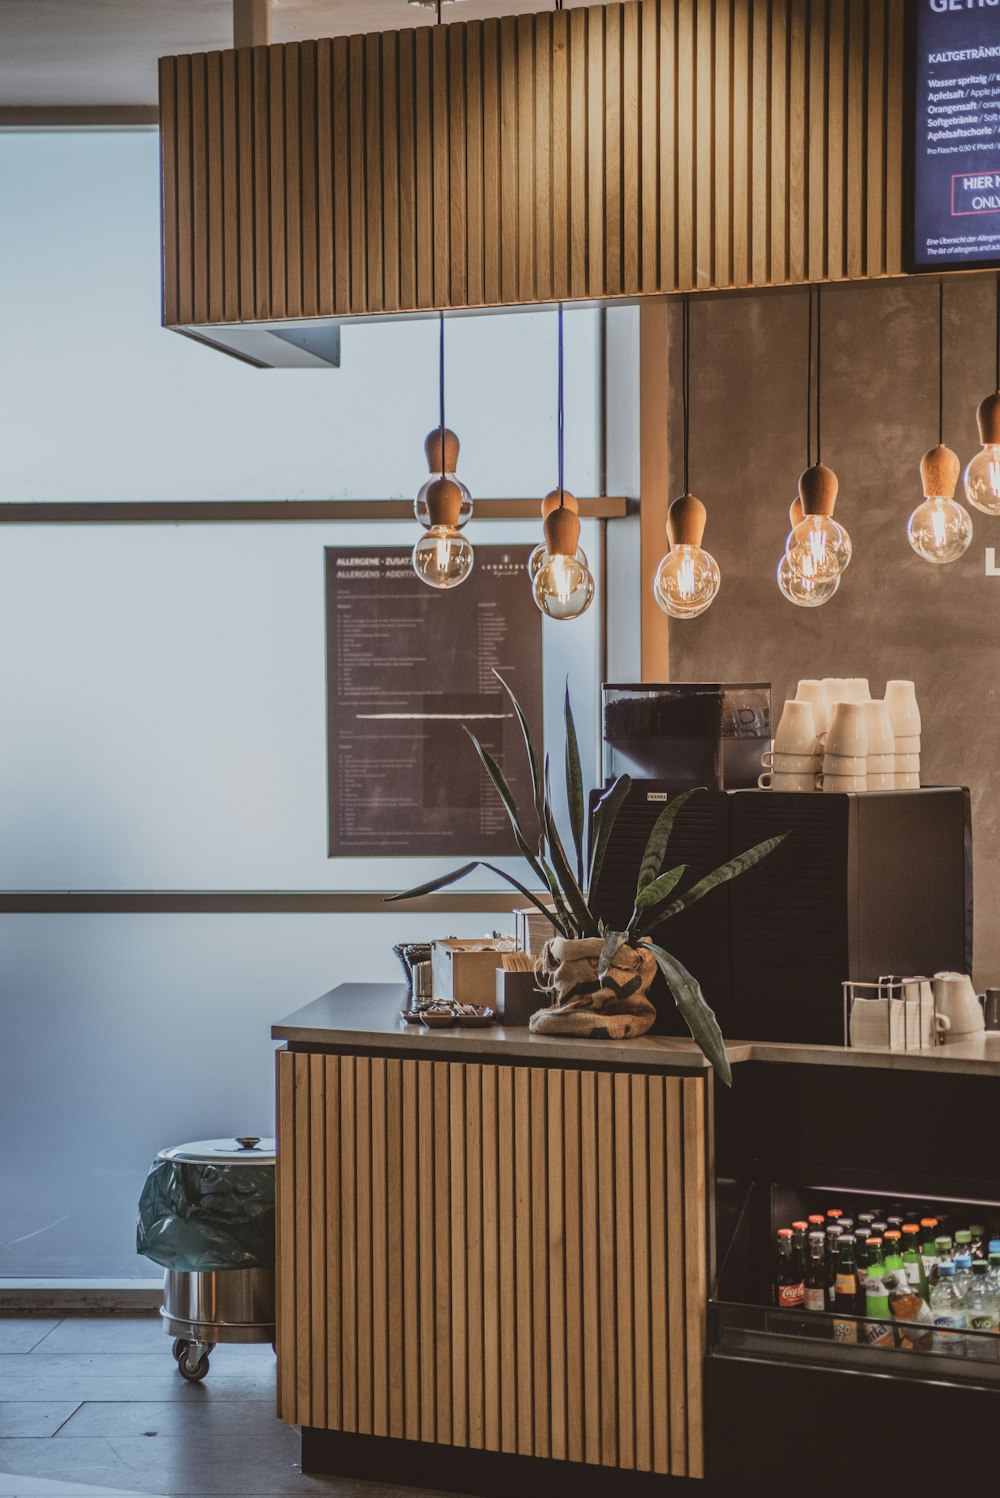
column 101, row 403
column 163, row 687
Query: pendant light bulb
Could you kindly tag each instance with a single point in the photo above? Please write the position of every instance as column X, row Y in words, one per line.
column 688, row 578
column 819, row 548
column 804, row 591
column 940, row 529
column 563, row 587
column 541, row 551
column 982, row 476
column 441, row 449
column 443, row 557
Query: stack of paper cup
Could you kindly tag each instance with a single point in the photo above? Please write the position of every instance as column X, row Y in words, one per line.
column 881, row 746
column 904, row 714
column 793, row 764
column 845, row 757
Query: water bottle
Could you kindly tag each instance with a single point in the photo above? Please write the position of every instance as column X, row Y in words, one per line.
column 983, row 1307
column 948, row 1312
column 963, row 1273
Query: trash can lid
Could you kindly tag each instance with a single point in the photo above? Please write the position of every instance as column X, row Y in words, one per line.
column 247, row 1150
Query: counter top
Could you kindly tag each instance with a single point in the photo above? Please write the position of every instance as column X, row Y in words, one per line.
column 365, row 1016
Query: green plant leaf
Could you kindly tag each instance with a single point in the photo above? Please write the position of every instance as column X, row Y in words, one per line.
column 503, row 790
column 603, row 820
column 571, row 890
column 441, row 882
column 656, row 847
column 574, row 786
column 533, row 761
column 613, row 942
column 445, row 879
column 695, row 1011
column 659, row 889
column 721, row 875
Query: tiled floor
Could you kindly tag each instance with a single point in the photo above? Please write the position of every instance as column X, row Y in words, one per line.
column 96, row 1409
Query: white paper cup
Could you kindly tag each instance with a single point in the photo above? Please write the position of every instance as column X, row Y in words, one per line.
column 796, row 731
column 881, row 737
column 906, row 782
column 847, row 734
column 881, row 764
column 845, row 764
column 858, row 689
column 790, row 764
column 882, row 782
column 906, row 764
column 793, row 782
column 908, row 745
column 901, row 700
column 815, row 692
column 842, row 784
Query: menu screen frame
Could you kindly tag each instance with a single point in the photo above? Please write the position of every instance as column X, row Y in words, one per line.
column 919, row 21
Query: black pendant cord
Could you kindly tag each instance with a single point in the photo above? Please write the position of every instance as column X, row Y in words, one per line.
column 441, row 386
column 941, row 364
column 560, row 410
column 809, row 382
column 819, row 374
column 686, row 390
column 439, row 12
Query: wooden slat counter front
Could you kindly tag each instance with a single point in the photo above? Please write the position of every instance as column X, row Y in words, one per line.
column 492, row 1241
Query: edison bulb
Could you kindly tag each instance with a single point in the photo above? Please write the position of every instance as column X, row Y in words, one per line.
column 982, row 480
column 819, row 548
column 806, row 592
column 442, row 558
column 686, row 582
column 563, row 587
column 541, row 551
column 422, row 512
column 940, row 530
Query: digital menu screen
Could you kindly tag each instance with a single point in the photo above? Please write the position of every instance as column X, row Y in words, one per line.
column 956, row 134
column 407, row 667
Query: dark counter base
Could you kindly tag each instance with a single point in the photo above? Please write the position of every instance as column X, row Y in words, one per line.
column 491, row 1474
column 781, row 1421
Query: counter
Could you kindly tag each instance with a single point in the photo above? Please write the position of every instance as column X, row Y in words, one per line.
column 497, row 1251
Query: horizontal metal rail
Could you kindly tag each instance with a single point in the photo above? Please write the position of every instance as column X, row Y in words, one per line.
column 271, row 511
column 254, row 901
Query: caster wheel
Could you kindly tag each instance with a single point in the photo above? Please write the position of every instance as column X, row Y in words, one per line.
column 179, row 1348
column 191, row 1368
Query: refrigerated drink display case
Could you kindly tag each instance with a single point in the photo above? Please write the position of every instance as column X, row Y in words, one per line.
column 810, row 1370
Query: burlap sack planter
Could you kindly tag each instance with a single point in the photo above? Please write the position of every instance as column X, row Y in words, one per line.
column 617, row 1009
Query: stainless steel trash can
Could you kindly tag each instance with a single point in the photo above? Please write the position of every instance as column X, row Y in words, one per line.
column 202, row 1308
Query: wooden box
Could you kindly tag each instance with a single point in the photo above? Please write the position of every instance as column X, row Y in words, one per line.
column 465, row 970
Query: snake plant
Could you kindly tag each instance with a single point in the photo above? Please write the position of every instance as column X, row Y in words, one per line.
column 565, row 876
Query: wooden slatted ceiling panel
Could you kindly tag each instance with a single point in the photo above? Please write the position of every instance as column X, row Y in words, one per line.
column 598, row 152
column 501, row 1258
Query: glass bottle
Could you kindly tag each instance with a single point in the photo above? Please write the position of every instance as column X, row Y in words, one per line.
column 876, row 1301
column 913, row 1263
column 816, row 1276
column 788, row 1288
column 845, row 1298
column 907, row 1307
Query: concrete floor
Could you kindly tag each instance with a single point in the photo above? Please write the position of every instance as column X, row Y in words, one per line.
column 94, row 1408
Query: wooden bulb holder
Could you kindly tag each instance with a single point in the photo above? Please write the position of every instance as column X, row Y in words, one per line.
column 444, row 502
column 562, row 532
column 988, row 417
column 686, row 520
column 796, row 514
column 436, row 462
column 818, row 488
column 556, row 497
column 939, row 472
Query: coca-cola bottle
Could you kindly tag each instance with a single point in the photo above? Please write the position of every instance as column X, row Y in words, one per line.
column 789, row 1279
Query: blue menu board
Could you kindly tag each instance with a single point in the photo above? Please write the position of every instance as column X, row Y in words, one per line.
column 956, row 134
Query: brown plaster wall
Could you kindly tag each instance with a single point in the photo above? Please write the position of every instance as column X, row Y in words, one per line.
column 895, row 615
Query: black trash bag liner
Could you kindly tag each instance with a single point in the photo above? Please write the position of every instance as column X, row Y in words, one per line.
column 207, row 1217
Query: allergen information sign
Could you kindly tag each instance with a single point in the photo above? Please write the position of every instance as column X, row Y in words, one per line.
column 407, row 667
column 955, row 180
